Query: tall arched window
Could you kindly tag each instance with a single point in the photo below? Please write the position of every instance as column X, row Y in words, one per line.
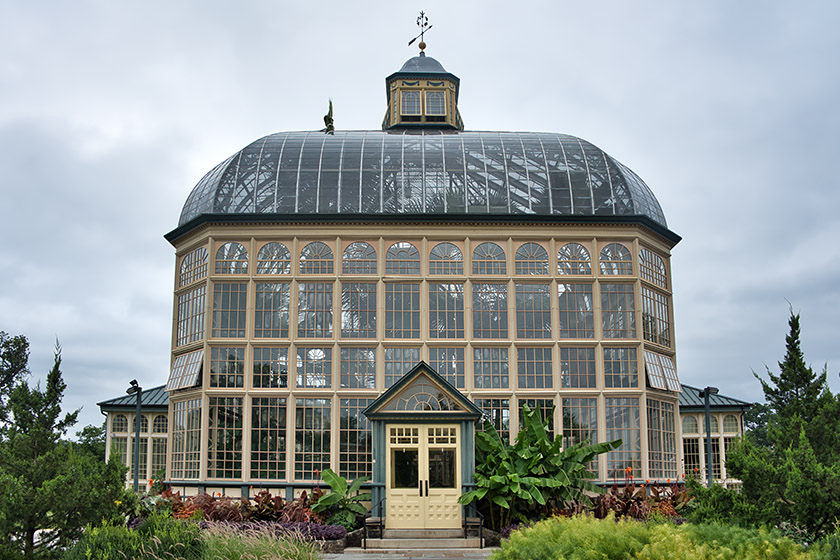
column 144, row 424
column 274, row 258
column 194, row 266
column 573, row 260
column 616, row 260
column 446, row 259
column 316, row 258
column 532, row 259
column 232, row 258
column 689, row 425
column 359, row 258
column 402, row 258
column 489, row 258
column 652, row 268
column 160, row 425
column 119, row 423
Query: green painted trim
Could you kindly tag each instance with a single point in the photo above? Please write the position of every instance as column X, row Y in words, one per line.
column 412, row 417
column 373, row 413
column 728, row 408
column 437, row 218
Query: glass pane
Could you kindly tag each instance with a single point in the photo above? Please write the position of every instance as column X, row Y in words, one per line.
column 405, row 472
column 441, row 468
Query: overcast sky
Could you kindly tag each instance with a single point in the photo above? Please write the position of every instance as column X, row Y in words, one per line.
column 110, row 113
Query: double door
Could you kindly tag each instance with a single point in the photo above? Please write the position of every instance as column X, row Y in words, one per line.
column 424, row 476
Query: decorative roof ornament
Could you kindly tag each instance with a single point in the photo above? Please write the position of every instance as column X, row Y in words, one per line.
column 423, row 24
column 328, row 120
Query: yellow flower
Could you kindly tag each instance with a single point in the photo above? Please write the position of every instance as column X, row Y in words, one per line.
column 118, row 502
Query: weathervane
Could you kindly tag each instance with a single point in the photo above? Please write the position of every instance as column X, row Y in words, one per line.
column 423, row 24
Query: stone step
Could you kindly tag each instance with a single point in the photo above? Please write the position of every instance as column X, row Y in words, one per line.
column 422, row 544
column 423, row 533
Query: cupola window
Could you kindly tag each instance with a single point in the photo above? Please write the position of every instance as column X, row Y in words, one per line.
column 435, row 105
column 410, row 104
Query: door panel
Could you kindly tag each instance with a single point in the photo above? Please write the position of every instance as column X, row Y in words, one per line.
column 403, row 500
column 424, row 481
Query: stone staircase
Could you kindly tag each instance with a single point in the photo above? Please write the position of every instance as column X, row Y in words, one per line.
column 422, row 539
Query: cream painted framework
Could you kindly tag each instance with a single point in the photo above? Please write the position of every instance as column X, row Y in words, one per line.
column 466, row 238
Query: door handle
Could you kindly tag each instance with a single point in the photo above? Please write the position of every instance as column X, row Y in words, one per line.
column 421, row 488
column 427, row 488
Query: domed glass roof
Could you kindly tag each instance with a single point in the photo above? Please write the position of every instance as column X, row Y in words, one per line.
column 419, row 172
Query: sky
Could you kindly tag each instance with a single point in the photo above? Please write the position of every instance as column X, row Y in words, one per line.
column 110, row 113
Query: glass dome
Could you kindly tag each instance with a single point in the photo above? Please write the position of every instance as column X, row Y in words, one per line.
column 422, row 172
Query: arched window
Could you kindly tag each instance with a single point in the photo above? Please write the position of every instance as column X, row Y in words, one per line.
column 532, row 259
column 274, row 258
column 161, row 424
column 144, row 424
column 446, row 259
column 435, row 103
column 489, row 258
column 714, row 422
column 193, row 266
column 359, row 258
column 616, row 260
column 573, row 260
column 119, row 423
column 652, row 268
column 689, row 425
column 316, row 258
column 232, row 258
column 410, row 103
column 731, row 424
column 402, row 258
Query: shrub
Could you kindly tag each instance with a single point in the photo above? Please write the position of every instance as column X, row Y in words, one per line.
column 719, row 505
column 829, row 547
column 583, row 537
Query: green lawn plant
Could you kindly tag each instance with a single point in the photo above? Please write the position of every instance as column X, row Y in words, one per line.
column 159, row 536
column 343, row 503
column 533, row 477
column 583, row 537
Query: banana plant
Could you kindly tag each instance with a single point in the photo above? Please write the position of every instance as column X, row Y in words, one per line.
column 535, row 469
column 343, row 503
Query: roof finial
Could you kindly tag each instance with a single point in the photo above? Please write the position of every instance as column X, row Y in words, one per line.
column 423, row 24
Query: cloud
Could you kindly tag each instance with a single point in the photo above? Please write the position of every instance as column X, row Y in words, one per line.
column 110, row 113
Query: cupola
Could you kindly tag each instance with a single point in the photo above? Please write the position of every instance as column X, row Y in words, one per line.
column 422, row 94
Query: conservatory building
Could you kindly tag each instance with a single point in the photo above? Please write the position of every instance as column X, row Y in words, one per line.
column 359, row 300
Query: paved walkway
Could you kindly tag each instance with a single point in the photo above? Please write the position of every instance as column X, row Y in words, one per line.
column 441, row 554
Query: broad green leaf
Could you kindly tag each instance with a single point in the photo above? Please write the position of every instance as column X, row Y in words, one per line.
column 337, row 483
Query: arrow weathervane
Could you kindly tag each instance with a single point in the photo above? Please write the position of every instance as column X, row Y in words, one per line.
column 423, row 24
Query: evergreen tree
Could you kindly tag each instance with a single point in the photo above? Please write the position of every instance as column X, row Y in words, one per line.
column 48, row 491
column 14, row 356
column 795, row 478
column 797, row 396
